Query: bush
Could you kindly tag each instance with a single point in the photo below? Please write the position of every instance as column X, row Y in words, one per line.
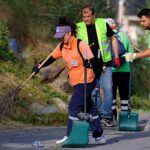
column 140, row 78
column 140, row 103
column 5, row 54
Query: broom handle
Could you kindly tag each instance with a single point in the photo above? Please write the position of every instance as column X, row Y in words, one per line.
column 85, row 84
column 33, row 73
column 136, row 48
column 85, row 81
column 130, row 77
column 43, row 62
column 91, row 44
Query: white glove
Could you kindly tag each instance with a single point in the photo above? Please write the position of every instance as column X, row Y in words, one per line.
column 129, row 57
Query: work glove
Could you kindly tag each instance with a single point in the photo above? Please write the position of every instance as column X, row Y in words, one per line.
column 35, row 69
column 129, row 57
column 117, row 62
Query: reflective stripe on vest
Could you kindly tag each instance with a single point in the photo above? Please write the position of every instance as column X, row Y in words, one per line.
column 103, row 40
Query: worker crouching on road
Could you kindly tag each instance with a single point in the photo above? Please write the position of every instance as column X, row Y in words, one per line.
column 67, row 50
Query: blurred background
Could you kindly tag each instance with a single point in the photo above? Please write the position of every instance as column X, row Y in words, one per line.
column 26, row 29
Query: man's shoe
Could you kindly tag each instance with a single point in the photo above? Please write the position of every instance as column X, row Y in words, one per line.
column 107, row 123
column 62, row 140
column 99, row 140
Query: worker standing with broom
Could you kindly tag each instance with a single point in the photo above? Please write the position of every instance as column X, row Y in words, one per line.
column 144, row 16
column 121, row 77
column 67, row 50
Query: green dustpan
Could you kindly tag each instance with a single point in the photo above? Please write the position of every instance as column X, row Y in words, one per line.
column 79, row 133
column 128, row 121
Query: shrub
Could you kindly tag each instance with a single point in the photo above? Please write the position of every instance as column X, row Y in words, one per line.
column 5, row 54
column 140, row 103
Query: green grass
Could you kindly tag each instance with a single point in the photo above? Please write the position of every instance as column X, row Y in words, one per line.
column 53, row 119
column 32, row 92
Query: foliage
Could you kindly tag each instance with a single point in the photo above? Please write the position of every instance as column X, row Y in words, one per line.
column 140, row 103
column 148, row 4
column 12, row 74
column 5, row 54
column 140, row 70
column 38, row 19
column 45, row 91
column 140, row 78
column 22, row 13
column 53, row 119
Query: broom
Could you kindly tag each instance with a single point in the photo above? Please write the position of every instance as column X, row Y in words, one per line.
column 7, row 101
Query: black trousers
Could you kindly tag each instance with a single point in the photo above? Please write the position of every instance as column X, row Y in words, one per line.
column 121, row 81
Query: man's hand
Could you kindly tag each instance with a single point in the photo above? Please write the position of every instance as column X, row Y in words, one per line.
column 129, row 57
column 36, row 69
column 117, row 62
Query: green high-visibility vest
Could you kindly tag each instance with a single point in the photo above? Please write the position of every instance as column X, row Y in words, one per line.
column 101, row 31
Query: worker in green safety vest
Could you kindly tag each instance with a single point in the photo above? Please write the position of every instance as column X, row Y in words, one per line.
column 97, row 31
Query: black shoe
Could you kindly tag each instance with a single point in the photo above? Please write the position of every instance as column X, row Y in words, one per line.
column 115, row 115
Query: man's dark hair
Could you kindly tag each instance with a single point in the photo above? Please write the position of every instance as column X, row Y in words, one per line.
column 144, row 12
column 64, row 21
column 90, row 7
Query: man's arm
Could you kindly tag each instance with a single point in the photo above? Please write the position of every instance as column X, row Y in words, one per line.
column 143, row 54
column 111, row 36
column 115, row 46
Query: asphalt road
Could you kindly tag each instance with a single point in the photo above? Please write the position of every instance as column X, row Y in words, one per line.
column 22, row 139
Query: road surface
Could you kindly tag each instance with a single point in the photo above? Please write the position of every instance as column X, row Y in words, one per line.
column 22, row 139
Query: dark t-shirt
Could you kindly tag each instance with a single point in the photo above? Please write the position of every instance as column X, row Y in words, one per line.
column 92, row 37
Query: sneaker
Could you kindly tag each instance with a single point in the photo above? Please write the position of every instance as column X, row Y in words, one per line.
column 62, row 140
column 107, row 123
column 99, row 140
